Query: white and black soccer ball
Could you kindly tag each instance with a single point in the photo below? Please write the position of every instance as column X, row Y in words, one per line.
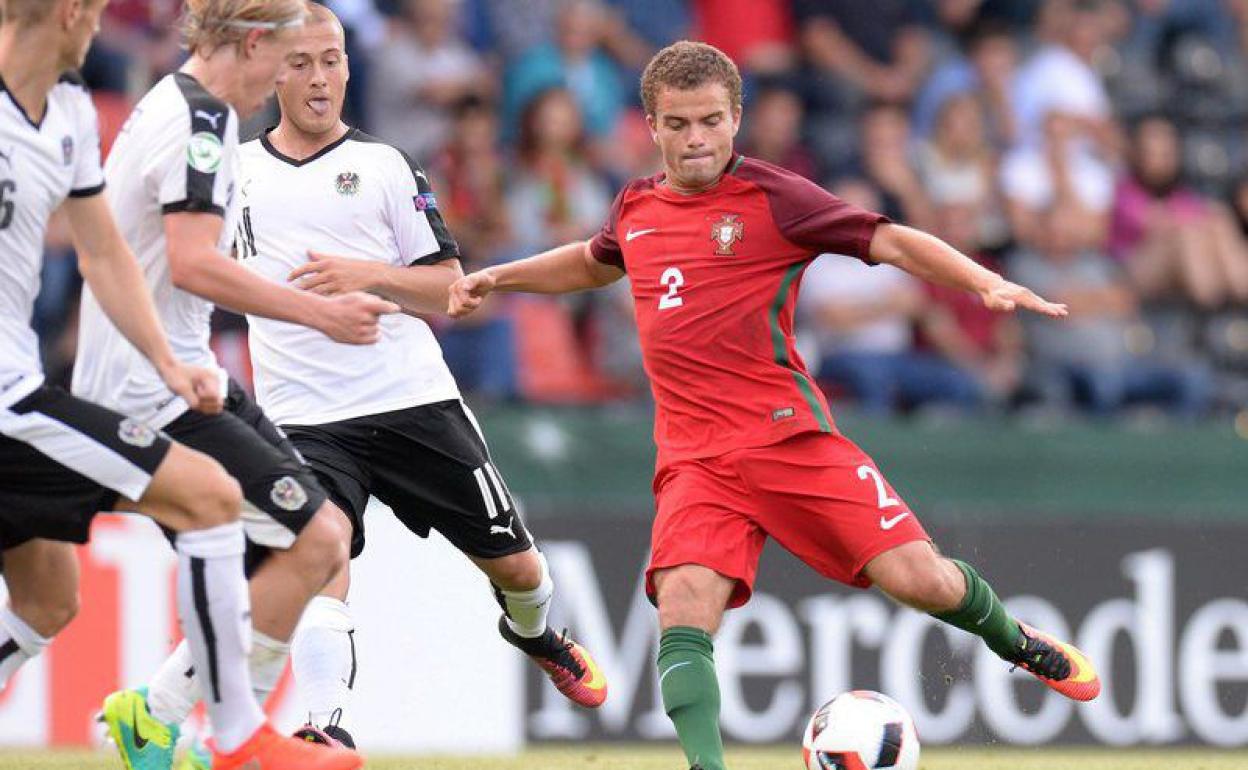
column 861, row 730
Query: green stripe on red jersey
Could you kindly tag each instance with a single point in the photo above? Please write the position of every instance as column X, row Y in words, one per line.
column 781, row 350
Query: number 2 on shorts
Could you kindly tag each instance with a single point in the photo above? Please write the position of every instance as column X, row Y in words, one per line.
column 866, row 471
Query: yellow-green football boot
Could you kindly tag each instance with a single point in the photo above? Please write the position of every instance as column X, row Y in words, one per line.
column 144, row 742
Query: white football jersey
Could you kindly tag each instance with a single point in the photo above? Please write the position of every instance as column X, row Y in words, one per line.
column 40, row 164
column 177, row 152
column 358, row 198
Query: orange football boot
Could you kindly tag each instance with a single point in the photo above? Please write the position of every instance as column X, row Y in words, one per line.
column 266, row 750
column 1059, row 665
column 568, row 664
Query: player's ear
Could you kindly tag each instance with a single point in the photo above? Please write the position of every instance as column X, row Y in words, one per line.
column 652, row 123
column 68, row 13
column 251, row 42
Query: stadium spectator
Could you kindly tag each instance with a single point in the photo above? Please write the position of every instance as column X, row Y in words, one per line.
column 987, row 70
column 861, row 319
column 471, row 177
column 774, row 126
column 757, row 34
column 656, row 22
column 554, row 195
column 1067, row 139
column 420, row 72
column 889, row 163
column 576, row 61
column 1097, row 357
column 1173, row 242
column 875, row 51
column 471, row 173
column 1055, row 175
column 1059, row 78
column 959, row 167
column 507, row 29
column 957, row 326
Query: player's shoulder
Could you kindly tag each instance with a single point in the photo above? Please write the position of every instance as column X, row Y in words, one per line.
column 179, row 104
column 386, row 152
column 71, row 89
column 193, row 93
column 772, row 179
column 637, row 189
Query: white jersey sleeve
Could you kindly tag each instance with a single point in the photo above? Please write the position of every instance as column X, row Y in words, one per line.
column 88, row 177
column 412, row 209
column 193, row 177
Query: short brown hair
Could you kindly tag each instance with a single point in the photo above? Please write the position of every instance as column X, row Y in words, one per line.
column 210, row 24
column 685, row 65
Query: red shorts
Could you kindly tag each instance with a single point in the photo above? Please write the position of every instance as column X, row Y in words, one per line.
column 817, row 494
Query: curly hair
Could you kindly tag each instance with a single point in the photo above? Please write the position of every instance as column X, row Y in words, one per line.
column 685, row 65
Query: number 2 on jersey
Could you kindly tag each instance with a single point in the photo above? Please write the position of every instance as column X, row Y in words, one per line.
column 673, row 279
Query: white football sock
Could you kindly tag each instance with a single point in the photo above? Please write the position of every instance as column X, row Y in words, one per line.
column 322, row 654
column 267, row 662
column 18, row 644
column 526, row 611
column 216, row 619
column 174, row 690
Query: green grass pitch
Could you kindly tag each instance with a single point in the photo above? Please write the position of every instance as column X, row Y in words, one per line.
column 783, row 758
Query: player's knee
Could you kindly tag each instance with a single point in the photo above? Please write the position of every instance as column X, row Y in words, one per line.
column 929, row 587
column 50, row 614
column 322, row 547
column 518, row 572
column 683, row 601
column 212, row 498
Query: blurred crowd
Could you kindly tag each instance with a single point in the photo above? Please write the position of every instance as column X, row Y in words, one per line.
column 1092, row 149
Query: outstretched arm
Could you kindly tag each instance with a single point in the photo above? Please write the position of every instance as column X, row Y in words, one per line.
column 931, row 259
column 559, row 271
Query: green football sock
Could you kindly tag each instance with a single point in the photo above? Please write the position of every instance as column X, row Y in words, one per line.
column 691, row 694
column 983, row 614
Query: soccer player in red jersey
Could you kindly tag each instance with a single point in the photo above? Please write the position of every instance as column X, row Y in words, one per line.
column 714, row 248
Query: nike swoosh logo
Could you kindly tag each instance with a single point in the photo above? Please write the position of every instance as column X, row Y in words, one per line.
column 631, row 234
column 890, row 523
column 980, row 622
column 139, row 740
column 673, row 668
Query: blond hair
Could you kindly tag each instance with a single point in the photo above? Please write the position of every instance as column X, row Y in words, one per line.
column 685, row 65
column 210, row 24
column 24, row 12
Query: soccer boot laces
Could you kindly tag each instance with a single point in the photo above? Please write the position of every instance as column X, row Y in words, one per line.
column 1061, row 666
column 569, row 666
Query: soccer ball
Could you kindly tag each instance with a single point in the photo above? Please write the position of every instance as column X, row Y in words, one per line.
column 861, row 730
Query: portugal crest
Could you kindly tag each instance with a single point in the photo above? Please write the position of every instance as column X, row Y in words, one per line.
column 725, row 232
column 347, row 183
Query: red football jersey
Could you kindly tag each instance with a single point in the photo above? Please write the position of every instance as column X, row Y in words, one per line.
column 714, row 279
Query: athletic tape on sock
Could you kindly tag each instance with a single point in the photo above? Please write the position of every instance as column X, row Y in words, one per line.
column 527, row 610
